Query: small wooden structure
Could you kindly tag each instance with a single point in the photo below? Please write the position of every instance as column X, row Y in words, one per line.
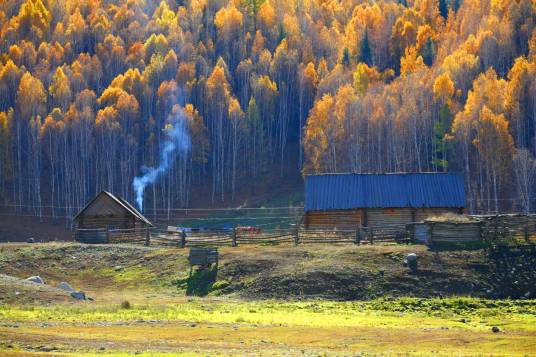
column 454, row 233
column 106, row 212
column 203, row 257
column 348, row 201
column 446, row 233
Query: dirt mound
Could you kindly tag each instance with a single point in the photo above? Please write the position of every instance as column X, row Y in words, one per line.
column 20, row 291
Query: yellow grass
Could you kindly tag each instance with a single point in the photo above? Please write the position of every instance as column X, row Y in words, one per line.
column 233, row 327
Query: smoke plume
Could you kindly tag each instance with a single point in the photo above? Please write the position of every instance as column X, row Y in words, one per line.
column 177, row 141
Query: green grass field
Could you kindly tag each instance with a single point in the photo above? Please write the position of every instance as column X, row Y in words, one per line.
column 159, row 320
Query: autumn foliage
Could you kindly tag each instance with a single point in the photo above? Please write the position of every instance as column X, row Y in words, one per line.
column 87, row 88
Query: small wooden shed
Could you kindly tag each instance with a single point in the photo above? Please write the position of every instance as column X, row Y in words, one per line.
column 106, row 212
column 348, row 201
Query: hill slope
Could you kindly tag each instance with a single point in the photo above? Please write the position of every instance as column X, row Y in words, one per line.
column 342, row 272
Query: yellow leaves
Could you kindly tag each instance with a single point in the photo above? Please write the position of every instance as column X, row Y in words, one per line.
column 198, row 133
column 267, row 83
column 31, row 97
column 107, row 117
column 258, row 43
column 164, row 16
column 316, row 140
column 235, row 112
column 461, row 67
column 34, row 18
column 266, row 16
column 309, row 74
column 493, row 141
column 364, row 76
column 217, row 84
column 60, row 88
column 411, row 62
column 424, row 33
column 443, row 88
column 229, row 21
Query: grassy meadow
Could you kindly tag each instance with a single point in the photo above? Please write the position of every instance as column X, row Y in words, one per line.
column 143, row 309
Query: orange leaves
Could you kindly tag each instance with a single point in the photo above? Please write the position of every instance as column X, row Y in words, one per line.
column 266, row 16
column 443, row 88
column 198, row 133
column 33, row 19
column 229, row 21
column 107, row 117
column 316, row 141
column 60, row 89
column 217, row 85
column 494, row 142
column 411, row 62
column 31, row 97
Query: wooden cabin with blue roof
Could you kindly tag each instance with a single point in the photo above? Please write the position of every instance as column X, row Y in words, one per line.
column 350, row 200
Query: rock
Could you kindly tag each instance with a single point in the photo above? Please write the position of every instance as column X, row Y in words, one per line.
column 118, row 267
column 30, row 240
column 411, row 257
column 65, row 286
column 36, row 279
column 411, row 261
column 495, row 329
column 80, row 295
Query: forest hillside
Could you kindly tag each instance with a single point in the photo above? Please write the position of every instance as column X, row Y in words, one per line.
column 204, row 94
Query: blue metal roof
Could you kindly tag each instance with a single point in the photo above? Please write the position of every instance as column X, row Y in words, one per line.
column 393, row 190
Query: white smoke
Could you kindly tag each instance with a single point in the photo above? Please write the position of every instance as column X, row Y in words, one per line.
column 177, row 141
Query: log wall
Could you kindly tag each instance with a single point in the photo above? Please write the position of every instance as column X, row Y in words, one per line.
column 370, row 217
column 339, row 219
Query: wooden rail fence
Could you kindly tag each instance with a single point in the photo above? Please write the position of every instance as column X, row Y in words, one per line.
column 487, row 229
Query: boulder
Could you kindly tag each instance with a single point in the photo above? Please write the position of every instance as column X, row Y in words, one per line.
column 411, row 257
column 80, row 295
column 36, row 279
column 411, row 261
column 65, row 286
column 30, row 240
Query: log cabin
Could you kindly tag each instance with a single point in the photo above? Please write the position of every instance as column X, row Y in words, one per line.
column 106, row 212
column 349, row 200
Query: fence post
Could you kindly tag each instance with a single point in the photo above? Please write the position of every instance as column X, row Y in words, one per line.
column 147, row 237
column 358, row 236
column 526, row 230
column 107, row 235
column 183, row 238
column 297, row 236
column 233, row 243
column 496, row 236
column 371, row 236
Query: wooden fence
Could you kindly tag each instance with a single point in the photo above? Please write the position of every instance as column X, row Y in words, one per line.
column 234, row 237
column 487, row 230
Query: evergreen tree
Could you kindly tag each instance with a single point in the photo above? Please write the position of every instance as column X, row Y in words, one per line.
column 455, row 5
column 345, row 60
column 365, row 52
column 443, row 8
column 428, row 52
column 442, row 147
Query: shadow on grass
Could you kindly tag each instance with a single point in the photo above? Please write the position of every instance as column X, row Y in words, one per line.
column 200, row 281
